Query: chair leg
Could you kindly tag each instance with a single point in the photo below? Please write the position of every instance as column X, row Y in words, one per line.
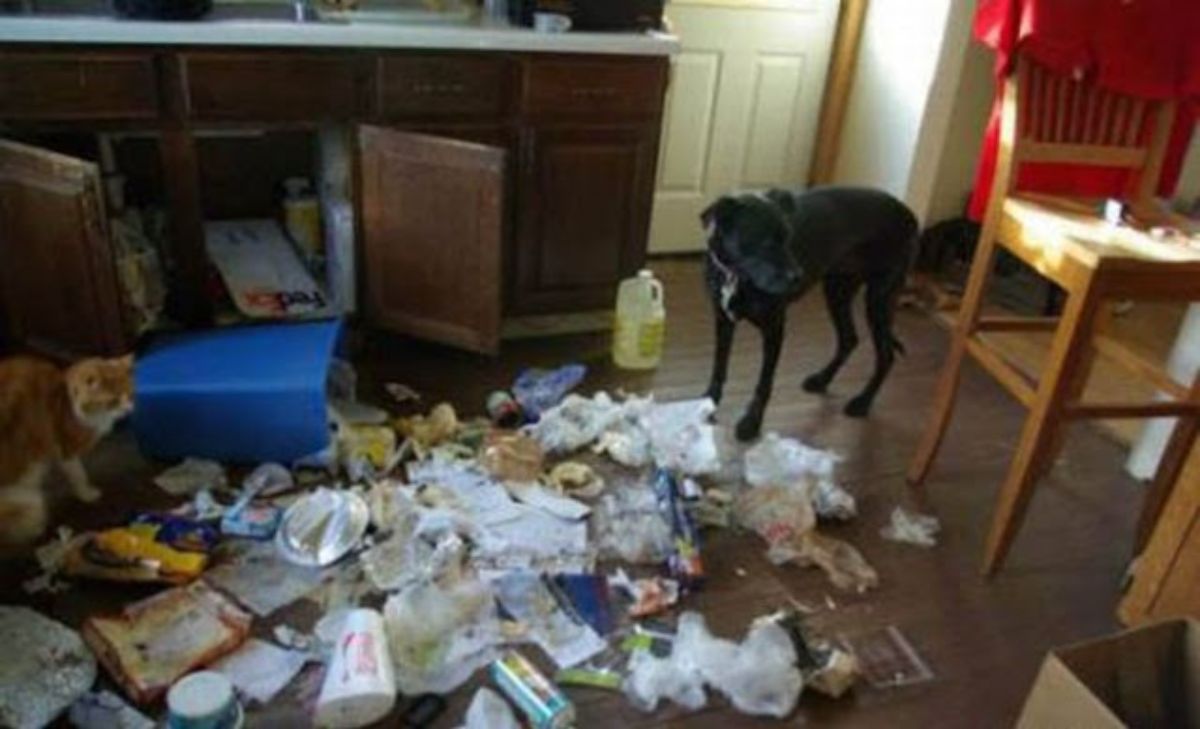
column 947, row 386
column 1175, row 457
column 1066, row 367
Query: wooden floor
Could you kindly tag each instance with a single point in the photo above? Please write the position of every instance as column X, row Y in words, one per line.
column 983, row 640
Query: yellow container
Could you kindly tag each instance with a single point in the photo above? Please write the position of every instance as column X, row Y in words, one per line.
column 641, row 321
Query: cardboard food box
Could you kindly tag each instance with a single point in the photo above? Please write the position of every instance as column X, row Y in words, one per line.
column 1148, row 677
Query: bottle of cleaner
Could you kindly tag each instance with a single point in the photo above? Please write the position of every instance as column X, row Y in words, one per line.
column 640, row 322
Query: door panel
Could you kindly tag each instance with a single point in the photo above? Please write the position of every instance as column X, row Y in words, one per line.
column 57, row 279
column 432, row 234
column 583, row 217
column 741, row 108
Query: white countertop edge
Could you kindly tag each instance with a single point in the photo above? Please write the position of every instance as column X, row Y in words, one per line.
column 314, row 35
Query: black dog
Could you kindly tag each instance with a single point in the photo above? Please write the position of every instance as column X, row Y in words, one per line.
column 765, row 251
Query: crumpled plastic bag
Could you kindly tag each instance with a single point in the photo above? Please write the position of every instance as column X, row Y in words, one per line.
column 537, row 390
column 912, row 528
column 489, row 711
column 512, row 457
column 575, row 479
column 190, row 476
column 652, row 679
column 682, row 438
column 627, row 524
column 575, row 422
column 783, row 516
column 427, row 431
column 758, row 676
column 625, row 443
column 776, row 461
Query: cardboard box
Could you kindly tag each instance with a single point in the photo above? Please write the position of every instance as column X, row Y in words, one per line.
column 1148, row 677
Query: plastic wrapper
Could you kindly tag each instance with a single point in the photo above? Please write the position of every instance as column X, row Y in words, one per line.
column 911, row 528
column 652, row 679
column 489, row 711
column 427, row 431
column 537, row 390
column 681, row 437
column 47, row 668
column 575, row 479
column 628, row 525
column 191, row 476
column 575, row 422
column 625, row 443
column 758, row 676
column 528, row 598
column 777, row 461
column 783, row 516
column 512, row 457
column 269, row 479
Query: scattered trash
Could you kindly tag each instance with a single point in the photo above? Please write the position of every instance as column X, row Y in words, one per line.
column 628, row 525
column 322, row 527
column 259, row 578
column 758, row 676
column 401, row 393
column 352, row 413
column 366, row 450
column 525, row 596
column 203, row 699
column 106, row 710
column 714, row 508
column 548, row 501
column 911, row 528
column 826, row 668
column 537, row 390
column 151, row 644
column 579, row 480
column 489, row 711
column 512, row 457
column 886, row 658
column 268, row 479
column 650, row 596
column 51, row 558
column 503, row 410
column 360, row 686
column 48, row 668
column 542, row 702
column 684, row 561
column 191, row 476
column 576, row 422
column 784, row 518
column 777, row 461
column 260, row 670
column 681, row 437
column 129, row 554
column 588, row 597
column 427, row 431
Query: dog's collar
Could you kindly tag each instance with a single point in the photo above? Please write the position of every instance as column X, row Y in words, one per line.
column 729, row 284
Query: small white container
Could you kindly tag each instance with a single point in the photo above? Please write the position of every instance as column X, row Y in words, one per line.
column 360, row 685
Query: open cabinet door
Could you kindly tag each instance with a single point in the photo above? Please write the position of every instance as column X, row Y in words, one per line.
column 432, row 224
column 59, row 292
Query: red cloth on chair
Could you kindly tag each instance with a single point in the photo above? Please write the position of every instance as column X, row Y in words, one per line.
column 1148, row 48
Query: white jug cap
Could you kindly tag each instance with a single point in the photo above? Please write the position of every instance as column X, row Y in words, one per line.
column 645, row 273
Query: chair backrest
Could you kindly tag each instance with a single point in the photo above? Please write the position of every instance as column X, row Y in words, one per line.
column 1066, row 120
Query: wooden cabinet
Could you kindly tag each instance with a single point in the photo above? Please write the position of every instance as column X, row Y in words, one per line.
column 58, row 280
column 534, row 198
column 263, row 86
column 584, row 211
column 114, row 85
column 432, row 222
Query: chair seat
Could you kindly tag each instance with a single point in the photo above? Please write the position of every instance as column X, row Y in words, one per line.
column 1057, row 235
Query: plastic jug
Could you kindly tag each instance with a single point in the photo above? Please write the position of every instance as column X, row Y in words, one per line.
column 640, row 322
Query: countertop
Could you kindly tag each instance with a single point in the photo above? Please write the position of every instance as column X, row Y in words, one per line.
column 231, row 29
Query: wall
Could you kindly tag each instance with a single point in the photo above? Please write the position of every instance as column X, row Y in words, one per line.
column 955, row 174
column 898, row 57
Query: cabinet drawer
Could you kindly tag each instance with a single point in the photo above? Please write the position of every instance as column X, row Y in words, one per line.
column 77, row 86
column 604, row 88
column 443, row 85
column 275, row 86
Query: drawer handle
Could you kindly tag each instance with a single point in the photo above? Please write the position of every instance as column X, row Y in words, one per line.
column 431, row 89
column 595, row 93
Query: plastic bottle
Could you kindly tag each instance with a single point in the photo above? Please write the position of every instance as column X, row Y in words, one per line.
column 302, row 218
column 640, row 322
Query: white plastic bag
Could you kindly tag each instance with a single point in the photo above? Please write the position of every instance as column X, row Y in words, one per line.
column 652, row 679
column 681, row 437
column 912, row 528
column 489, row 711
column 777, row 461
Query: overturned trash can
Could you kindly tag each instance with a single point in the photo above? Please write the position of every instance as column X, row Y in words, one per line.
column 244, row 394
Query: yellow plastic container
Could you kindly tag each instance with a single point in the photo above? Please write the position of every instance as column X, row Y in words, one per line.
column 641, row 321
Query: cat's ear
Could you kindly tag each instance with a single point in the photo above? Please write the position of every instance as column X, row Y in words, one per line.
column 126, row 361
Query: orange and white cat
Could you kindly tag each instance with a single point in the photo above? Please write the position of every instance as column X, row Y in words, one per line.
column 53, row 416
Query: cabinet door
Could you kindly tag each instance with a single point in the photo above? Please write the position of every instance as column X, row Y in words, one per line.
column 58, row 280
column 432, row 225
column 584, row 210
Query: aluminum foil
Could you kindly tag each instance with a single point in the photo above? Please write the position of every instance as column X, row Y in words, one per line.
column 47, row 667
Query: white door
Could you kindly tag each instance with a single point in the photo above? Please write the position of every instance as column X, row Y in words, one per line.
column 742, row 106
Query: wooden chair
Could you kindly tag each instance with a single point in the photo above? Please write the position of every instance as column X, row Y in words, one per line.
column 1048, row 118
